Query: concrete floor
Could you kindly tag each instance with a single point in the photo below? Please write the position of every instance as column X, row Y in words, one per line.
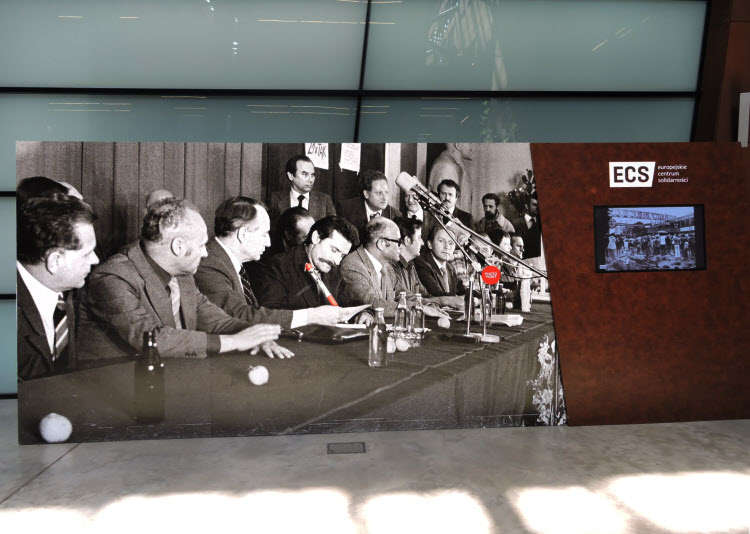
column 686, row 477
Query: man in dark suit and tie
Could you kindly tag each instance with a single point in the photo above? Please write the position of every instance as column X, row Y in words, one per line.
column 149, row 286
column 301, row 174
column 288, row 285
column 373, row 202
column 433, row 267
column 241, row 226
column 56, row 245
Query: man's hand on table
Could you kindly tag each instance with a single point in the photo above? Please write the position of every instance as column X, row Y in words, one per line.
column 273, row 350
column 250, row 338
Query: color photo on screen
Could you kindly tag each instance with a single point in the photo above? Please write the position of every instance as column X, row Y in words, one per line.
column 649, row 238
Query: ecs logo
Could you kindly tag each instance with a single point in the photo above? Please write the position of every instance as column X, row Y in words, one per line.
column 631, row 173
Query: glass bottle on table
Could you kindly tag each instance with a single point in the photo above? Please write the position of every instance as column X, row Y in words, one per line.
column 149, row 382
column 378, row 342
column 401, row 321
column 417, row 316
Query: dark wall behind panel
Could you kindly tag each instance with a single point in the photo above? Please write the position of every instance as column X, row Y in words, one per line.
column 650, row 346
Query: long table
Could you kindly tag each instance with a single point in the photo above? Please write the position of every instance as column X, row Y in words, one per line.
column 324, row 388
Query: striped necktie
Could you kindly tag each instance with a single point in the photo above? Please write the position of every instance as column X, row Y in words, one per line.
column 247, row 289
column 174, row 295
column 60, row 318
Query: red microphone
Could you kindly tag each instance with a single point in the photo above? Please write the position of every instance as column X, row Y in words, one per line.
column 314, row 273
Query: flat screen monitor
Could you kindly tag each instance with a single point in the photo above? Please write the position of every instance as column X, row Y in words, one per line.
column 649, row 238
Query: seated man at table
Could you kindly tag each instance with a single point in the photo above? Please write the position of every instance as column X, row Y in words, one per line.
column 367, row 273
column 241, row 226
column 404, row 269
column 288, row 285
column 55, row 253
column 149, row 286
column 433, row 266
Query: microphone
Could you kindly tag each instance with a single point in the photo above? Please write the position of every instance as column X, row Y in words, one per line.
column 319, row 282
column 408, row 183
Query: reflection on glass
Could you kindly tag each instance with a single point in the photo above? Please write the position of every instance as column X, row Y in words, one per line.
column 521, row 120
column 226, row 44
column 8, row 245
column 167, row 118
column 570, row 45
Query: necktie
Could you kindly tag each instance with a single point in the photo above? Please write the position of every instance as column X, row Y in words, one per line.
column 300, row 199
column 446, row 279
column 174, row 295
column 247, row 289
column 376, row 214
column 60, row 318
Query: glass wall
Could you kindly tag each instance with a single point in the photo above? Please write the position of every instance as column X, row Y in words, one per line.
column 339, row 71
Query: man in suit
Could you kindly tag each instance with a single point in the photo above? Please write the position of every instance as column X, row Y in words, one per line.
column 149, row 286
column 529, row 227
column 449, row 193
column 241, row 226
column 433, row 267
column 56, row 243
column 373, row 202
column 301, row 174
column 367, row 272
column 405, row 270
column 288, row 285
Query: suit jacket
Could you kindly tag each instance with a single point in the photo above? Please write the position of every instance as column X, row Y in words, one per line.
column 532, row 236
column 287, row 286
column 34, row 354
column 353, row 210
column 432, row 280
column 320, row 205
column 219, row 282
column 126, row 298
column 407, row 277
column 461, row 215
column 361, row 285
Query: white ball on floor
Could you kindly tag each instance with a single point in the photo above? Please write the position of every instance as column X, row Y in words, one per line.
column 401, row 344
column 258, row 375
column 444, row 322
column 55, row 428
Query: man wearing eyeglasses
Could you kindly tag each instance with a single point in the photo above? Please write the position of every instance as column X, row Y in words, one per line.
column 367, row 274
column 373, row 202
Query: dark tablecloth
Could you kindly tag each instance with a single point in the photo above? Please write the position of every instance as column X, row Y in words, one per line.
column 324, row 388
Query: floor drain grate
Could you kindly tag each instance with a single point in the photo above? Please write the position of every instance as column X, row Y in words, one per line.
column 353, row 447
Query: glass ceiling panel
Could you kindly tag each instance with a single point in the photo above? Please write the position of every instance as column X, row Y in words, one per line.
column 191, row 44
column 544, row 45
column 521, row 120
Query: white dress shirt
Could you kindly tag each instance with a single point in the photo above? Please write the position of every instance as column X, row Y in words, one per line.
column 419, row 214
column 294, row 199
column 45, row 300
column 378, row 266
column 370, row 212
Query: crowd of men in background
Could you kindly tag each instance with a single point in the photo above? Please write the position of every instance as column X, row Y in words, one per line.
column 677, row 245
column 267, row 268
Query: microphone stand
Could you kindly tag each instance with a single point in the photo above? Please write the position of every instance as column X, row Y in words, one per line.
column 474, row 267
column 474, row 237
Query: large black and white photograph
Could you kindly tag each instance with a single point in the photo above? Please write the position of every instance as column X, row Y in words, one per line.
column 649, row 238
column 177, row 290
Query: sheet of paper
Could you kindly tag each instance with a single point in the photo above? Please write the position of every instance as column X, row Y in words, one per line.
column 350, row 156
column 318, row 154
column 354, row 310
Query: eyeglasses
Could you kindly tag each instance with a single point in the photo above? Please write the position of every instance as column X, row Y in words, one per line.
column 397, row 241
